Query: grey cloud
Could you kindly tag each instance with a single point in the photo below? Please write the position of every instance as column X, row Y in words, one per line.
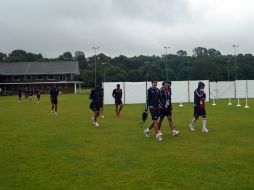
column 129, row 27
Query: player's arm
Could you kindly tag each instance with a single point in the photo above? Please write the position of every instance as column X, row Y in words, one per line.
column 113, row 94
column 91, row 96
column 162, row 102
column 121, row 94
column 196, row 98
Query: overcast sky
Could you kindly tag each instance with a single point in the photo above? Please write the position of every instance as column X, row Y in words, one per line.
column 127, row 27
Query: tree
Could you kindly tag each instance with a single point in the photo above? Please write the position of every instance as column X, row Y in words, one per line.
column 80, row 57
column 200, row 52
column 213, row 52
column 2, row 56
column 17, row 56
column 31, row 57
column 181, row 53
column 67, row 56
column 77, row 54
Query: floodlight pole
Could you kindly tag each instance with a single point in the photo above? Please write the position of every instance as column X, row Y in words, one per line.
column 95, row 48
column 246, row 100
column 229, row 99
column 238, row 100
column 104, row 71
column 167, row 47
column 215, row 94
column 147, row 74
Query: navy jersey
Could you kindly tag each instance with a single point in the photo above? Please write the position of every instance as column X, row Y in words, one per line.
column 54, row 93
column 154, row 98
column 166, row 95
column 95, row 96
column 101, row 94
column 117, row 94
column 199, row 99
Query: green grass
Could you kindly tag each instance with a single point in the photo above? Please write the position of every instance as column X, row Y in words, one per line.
column 40, row 151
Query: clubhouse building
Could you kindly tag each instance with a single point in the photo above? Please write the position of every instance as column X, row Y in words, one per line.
column 39, row 75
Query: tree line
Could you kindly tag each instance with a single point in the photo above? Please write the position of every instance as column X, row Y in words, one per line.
column 203, row 64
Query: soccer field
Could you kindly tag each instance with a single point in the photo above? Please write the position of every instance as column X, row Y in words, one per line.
column 39, row 151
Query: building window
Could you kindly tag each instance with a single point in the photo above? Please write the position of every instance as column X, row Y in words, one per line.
column 65, row 85
column 39, row 77
column 62, row 78
column 51, row 77
column 5, row 78
column 27, row 77
column 48, row 86
column 16, row 78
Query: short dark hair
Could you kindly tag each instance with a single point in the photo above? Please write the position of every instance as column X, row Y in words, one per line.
column 201, row 85
column 169, row 82
column 118, row 85
column 153, row 80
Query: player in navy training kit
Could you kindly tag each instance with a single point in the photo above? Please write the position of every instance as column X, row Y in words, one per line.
column 166, row 110
column 20, row 94
column 54, row 92
column 154, row 102
column 117, row 95
column 199, row 107
column 38, row 95
column 95, row 105
column 30, row 94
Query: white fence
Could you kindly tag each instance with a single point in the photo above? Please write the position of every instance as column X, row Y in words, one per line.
column 182, row 91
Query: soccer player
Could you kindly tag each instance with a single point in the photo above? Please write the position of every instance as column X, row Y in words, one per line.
column 117, row 95
column 154, row 101
column 101, row 101
column 54, row 92
column 20, row 95
column 166, row 110
column 38, row 95
column 95, row 105
column 26, row 93
column 30, row 94
column 199, row 107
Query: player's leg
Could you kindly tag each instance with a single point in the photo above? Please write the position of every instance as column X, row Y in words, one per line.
column 52, row 106
column 160, row 120
column 158, row 135
column 172, row 126
column 20, row 98
column 116, row 109
column 147, row 131
column 204, row 129
column 155, row 118
column 102, row 111
column 56, row 108
column 96, row 115
column 194, row 119
column 120, row 109
column 96, row 112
